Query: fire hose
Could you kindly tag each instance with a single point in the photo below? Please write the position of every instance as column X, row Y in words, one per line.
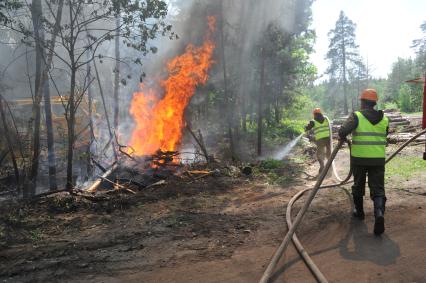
column 336, row 175
column 292, row 226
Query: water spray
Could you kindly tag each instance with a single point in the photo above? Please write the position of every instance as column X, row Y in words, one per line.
column 287, row 148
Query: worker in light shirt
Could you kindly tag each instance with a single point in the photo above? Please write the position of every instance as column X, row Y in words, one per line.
column 321, row 132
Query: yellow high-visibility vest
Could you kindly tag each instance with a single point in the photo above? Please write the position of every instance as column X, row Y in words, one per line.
column 368, row 140
column 321, row 130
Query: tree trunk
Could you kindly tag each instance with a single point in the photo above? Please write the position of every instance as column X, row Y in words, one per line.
column 277, row 115
column 268, row 116
column 358, row 90
column 9, row 142
column 92, row 134
column 111, row 135
column 36, row 13
column 260, row 104
column 51, row 157
column 42, row 69
column 244, row 116
column 71, row 130
column 117, row 73
column 345, row 98
column 277, row 104
column 241, row 94
column 70, row 114
column 228, row 98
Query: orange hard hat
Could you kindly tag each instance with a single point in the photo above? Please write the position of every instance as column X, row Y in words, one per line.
column 317, row 111
column 369, row 94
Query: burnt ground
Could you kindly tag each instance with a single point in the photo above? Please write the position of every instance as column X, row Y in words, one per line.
column 221, row 228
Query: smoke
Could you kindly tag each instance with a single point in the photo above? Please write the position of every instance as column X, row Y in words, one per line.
column 244, row 24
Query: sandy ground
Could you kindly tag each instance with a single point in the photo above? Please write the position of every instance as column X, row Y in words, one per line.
column 217, row 229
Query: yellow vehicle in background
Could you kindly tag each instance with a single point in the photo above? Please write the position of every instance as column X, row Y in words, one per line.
column 22, row 109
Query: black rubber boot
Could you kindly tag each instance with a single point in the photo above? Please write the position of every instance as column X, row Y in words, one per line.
column 379, row 211
column 359, row 207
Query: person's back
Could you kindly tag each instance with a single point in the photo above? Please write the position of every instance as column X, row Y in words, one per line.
column 369, row 129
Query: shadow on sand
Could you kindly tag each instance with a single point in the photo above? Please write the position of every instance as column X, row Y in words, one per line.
column 360, row 245
column 364, row 246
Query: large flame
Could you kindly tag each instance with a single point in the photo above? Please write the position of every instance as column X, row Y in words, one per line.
column 159, row 122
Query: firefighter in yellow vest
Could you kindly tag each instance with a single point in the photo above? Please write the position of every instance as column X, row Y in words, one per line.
column 369, row 129
column 320, row 128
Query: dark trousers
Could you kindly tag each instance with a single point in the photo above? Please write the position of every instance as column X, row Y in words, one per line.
column 376, row 180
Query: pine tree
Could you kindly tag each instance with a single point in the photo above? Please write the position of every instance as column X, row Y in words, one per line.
column 420, row 47
column 342, row 53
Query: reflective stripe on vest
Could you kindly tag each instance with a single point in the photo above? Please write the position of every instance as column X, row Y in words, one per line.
column 368, row 140
column 321, row 130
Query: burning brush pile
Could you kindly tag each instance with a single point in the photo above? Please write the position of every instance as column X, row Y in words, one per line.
column 158, row 113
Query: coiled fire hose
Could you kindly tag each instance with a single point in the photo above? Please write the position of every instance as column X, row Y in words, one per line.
column 293, row 226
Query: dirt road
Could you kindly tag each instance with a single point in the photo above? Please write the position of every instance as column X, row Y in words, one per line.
column 218, row 229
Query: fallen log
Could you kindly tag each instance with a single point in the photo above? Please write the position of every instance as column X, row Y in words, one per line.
column 198, row 171
column 396, row 120
column 396, row 124
column 48, row 193
column 390, row 110
column 403, row 137
column 92, row 188
column 200, row 177
column 394, row 116
column 410, row 129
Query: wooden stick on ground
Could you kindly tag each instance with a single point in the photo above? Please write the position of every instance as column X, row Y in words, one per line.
column 117, row 185
column 98, row 181
column 200, row 177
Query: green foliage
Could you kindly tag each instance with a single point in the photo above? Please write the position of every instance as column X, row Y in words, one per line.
column 36, row 235
column 284, row 131
column 301, row 109
column 394, row 91
column 420, row 46
column 274, row 171
column 62, row 205
column 12, row 219
column 7, row 6
column 389, row 105
column 277, row 171
column 342, row 47
column 141, row 21
column 406, row 167
column 291, row 128
column 408, row 96
column 279, row 179
column 345, row 61
column 275, row 68
column 270, row 163
column 2, row 233
column 404, row 99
